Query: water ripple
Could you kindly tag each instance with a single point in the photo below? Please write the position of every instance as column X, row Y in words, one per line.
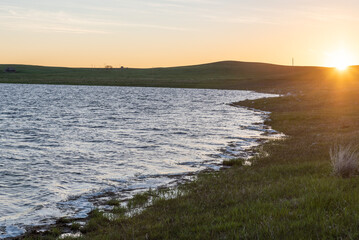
column 62, row 145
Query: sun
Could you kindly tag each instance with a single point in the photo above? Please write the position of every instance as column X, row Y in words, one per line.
column 340, row 59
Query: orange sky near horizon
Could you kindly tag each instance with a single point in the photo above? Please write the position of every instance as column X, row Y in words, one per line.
column 162, row 33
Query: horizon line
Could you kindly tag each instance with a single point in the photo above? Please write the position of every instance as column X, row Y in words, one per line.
column 189, row 65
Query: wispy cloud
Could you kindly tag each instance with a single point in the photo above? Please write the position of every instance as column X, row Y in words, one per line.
column 60, row 21
column 168, row 15
column 43, row 21
column 325, row 14
column 62, row 29
column 305, row 13
column 237, row 19
column 183, row 3
column 196, row 1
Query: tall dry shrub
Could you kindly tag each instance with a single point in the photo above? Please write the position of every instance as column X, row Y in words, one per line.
column 344, row 160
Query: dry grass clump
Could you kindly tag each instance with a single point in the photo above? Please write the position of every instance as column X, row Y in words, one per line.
column 344, row 160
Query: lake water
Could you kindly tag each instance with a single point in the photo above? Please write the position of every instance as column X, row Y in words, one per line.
column 62, row 145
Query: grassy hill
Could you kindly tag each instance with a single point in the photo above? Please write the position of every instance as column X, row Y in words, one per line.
column 221, row 75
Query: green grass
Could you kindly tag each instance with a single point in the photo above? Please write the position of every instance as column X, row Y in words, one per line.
column 141, row 199
column 113, row 202
column 220, row 75
column 289, row 193
column 233, row 162
column 75, row 226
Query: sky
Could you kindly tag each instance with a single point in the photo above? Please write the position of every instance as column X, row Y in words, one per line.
column 161, row 33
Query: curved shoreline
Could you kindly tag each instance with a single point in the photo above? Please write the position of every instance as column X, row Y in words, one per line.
column 282, row 194
column 100, row 199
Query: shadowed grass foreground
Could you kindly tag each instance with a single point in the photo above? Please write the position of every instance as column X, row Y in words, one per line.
column 289, row 193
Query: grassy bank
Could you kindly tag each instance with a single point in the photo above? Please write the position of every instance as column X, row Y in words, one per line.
column 288, row 193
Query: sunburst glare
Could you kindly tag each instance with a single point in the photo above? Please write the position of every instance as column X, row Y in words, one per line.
column 340, row 59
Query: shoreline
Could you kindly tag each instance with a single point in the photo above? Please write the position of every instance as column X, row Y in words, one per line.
column 290, row 189
column 99, row 200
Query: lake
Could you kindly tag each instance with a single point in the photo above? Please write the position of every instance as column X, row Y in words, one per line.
column 62, row 145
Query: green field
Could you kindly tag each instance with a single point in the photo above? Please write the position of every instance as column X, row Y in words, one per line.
column 290, row 191
column 220, row 75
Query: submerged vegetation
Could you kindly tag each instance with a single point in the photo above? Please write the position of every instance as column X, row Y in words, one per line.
column 290, row 192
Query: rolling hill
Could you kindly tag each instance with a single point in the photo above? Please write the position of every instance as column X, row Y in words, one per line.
column 220, row 75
